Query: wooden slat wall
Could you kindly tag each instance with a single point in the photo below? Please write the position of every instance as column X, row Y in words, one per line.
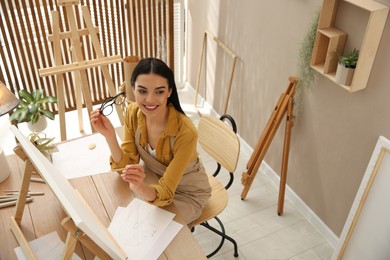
column 126, row 27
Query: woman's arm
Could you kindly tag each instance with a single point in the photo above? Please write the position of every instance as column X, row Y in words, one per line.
column 115, row 149
column 125, row 153
column 103, row 125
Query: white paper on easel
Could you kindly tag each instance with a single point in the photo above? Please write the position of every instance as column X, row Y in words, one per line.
column 49, row 246
column 143, row 230
column 75, row 159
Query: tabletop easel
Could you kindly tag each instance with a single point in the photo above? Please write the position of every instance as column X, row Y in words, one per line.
column 74, row 233
column 79, row 65
column 283, row 107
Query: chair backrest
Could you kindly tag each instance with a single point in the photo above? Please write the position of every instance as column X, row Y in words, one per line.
column 219, row 140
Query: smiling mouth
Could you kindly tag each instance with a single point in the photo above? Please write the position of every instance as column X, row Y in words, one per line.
column 150, row 107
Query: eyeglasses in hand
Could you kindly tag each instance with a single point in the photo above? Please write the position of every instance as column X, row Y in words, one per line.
column 107, row 106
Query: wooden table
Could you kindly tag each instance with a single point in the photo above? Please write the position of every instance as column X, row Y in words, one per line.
column 103, row 192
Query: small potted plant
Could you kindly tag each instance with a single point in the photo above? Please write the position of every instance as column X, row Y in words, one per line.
column 32, row 109
column 346, row 67
column 43, row 144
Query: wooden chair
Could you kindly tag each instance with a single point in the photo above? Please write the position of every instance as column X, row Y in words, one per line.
column 220, row 142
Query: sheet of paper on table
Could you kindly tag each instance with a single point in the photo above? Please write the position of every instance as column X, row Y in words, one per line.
column 48, row 246
column 75, row 158
column 142, row 230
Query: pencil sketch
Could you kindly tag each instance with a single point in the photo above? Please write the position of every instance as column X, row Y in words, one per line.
column 138, row 222
column 138, row 228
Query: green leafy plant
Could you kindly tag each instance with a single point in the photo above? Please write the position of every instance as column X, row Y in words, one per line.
column 306, row 74
column 42, row 143
column 350, row 59
column 32, row 106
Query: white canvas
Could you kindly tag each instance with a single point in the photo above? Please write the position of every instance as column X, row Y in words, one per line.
column 366, row 232
column 73, row 204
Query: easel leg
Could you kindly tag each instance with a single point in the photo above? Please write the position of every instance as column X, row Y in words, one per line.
column 79, row 93
column 286, row 150
column 18, row 233
column 21, row 202
column 70, row 246
column 16, row 220
column 74, row 235
column 59, row 77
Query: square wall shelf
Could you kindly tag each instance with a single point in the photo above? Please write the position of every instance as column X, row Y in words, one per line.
column 330, row 41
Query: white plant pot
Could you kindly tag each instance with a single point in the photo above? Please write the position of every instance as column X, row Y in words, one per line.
column 39, row 126
column 4, row 167
column 344, row 75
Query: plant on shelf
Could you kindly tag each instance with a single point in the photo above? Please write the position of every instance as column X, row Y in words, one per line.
column 346, row 67
column 32, row 109
column 350, row 60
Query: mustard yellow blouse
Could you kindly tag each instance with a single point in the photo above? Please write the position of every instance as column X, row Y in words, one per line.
column 184, row 146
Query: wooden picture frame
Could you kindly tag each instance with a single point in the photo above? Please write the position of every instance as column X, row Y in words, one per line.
column 234, row 57
column 367, row 228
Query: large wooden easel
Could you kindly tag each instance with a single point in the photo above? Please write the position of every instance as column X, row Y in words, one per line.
column 284, row 106
column 79, row 65
column 74, row 233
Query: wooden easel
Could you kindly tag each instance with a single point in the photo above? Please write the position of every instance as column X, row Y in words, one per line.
column 79, row 65
column 74, row 233
column 285, row 105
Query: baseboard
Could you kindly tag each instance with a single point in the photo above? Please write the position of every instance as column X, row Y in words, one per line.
column 301, row 206
column 290, row 194
column 202, row 106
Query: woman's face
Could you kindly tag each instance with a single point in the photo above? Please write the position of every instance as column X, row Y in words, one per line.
column 151, row 94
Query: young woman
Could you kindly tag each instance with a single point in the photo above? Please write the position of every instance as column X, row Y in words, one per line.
column 157, row 131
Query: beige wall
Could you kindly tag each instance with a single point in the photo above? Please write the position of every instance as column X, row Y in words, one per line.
column 336, row 131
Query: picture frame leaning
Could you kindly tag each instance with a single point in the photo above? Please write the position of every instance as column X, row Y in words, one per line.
column 366, row 230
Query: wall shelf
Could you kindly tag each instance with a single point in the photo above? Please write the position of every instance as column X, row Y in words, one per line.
column 330, row 41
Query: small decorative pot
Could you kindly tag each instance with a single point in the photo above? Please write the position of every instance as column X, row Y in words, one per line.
column 344, row 75
column 39, row 126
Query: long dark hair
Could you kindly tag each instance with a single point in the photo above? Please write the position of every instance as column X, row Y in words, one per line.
column 157, row 66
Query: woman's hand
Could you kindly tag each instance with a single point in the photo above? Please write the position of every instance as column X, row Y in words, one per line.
column 101, row 123
column 134, row 174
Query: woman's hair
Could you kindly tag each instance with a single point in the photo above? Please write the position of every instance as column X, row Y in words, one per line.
column 158, row 67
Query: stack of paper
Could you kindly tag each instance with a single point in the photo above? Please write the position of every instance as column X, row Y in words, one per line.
column 142, row 230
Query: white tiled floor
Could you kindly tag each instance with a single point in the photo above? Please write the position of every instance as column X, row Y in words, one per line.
column 253, row 223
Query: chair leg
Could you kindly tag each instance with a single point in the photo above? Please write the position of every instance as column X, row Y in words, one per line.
column 223, row 237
